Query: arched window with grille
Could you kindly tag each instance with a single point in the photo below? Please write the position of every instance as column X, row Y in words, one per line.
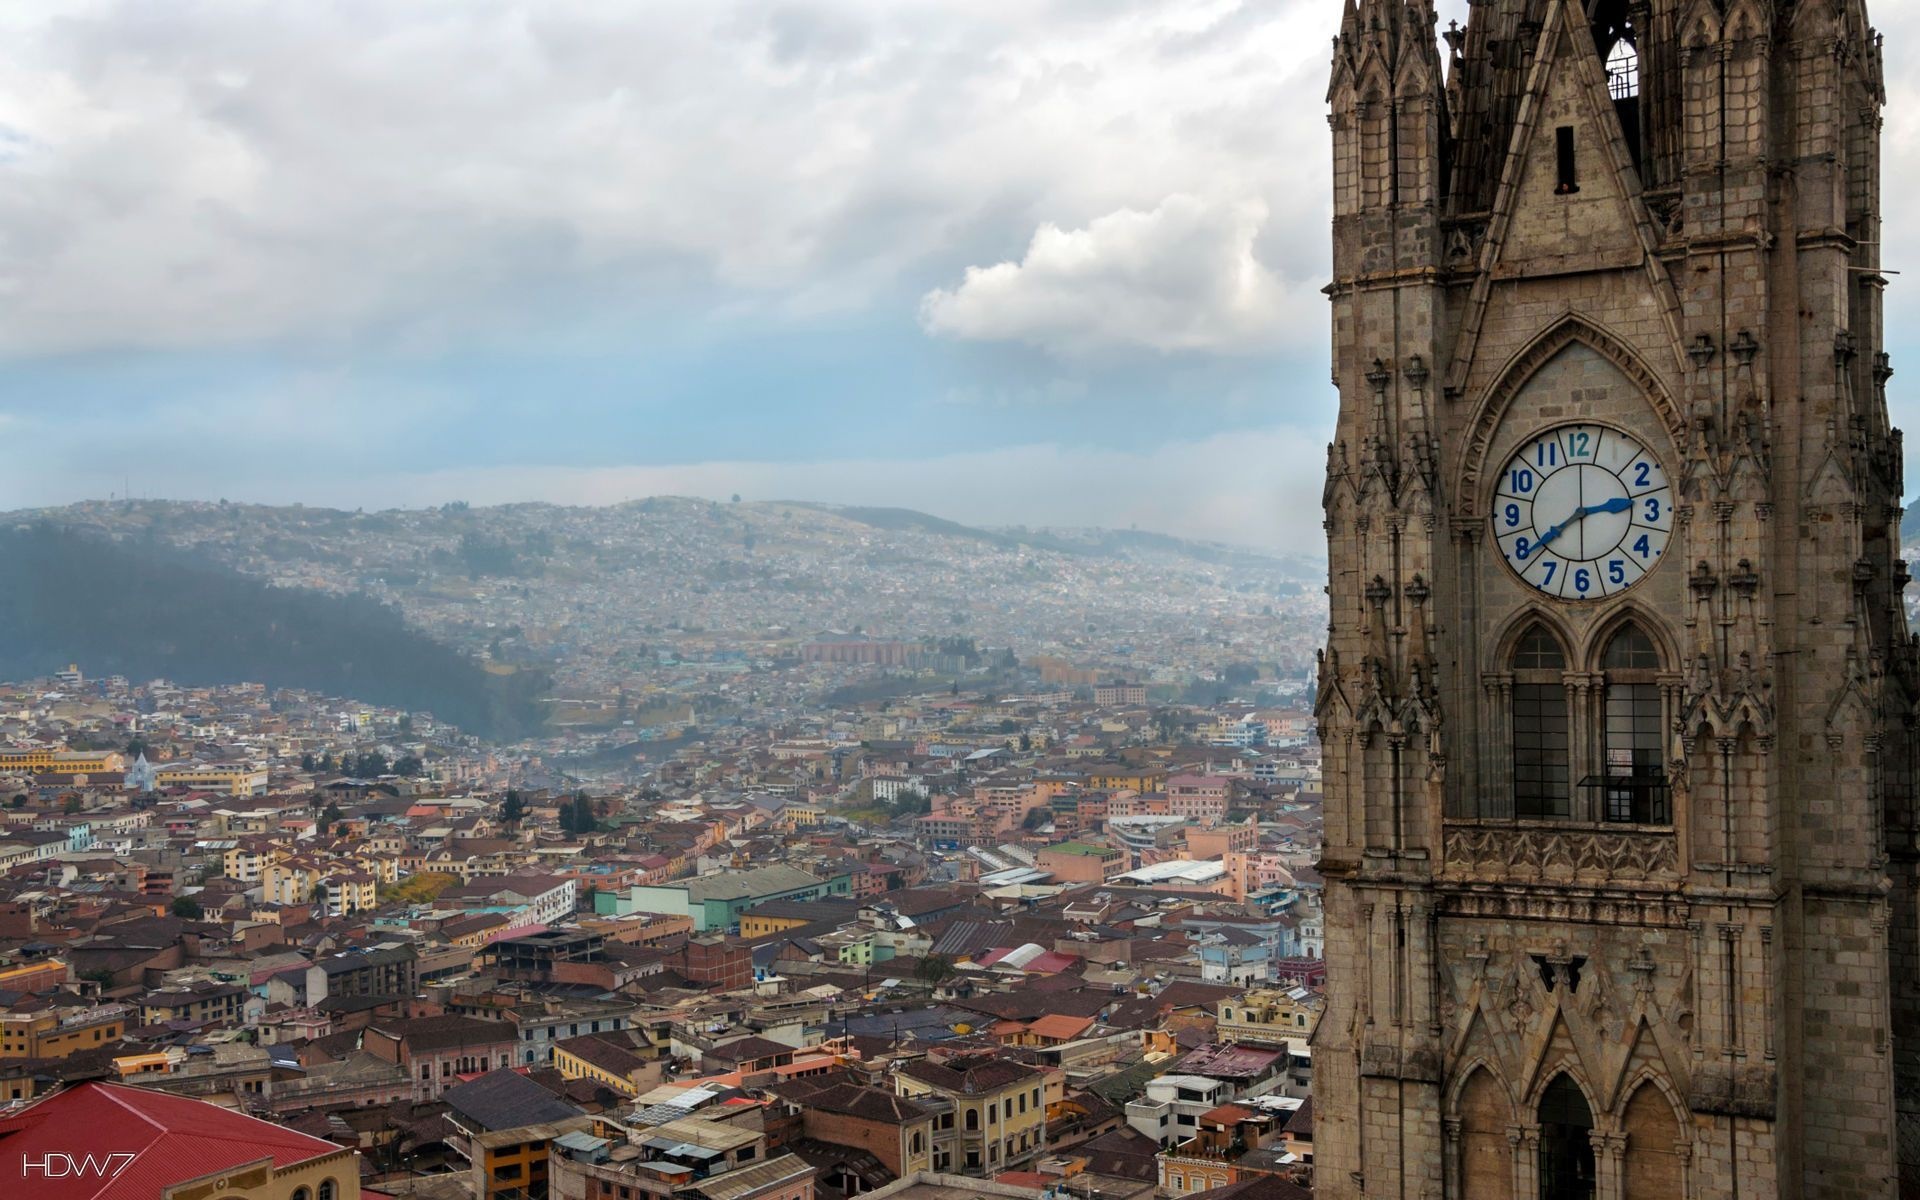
column 1540, row 741
column 1566, row 1142
column 1618, row 41
column 1632, row 781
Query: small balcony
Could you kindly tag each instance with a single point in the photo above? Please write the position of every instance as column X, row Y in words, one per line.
column 1629, row 799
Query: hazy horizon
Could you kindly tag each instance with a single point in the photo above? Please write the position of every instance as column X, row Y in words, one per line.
column 1060, row 266
column 1313, row 555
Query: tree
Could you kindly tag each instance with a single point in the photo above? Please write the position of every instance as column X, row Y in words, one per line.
column 20, row 800
column 512, row 809
column 934, row 970
column 583, row 821
column 307, row 762
column 70, row 805
column 331, row 815
column 320, row 895
column 409, row 766
column 188, row 908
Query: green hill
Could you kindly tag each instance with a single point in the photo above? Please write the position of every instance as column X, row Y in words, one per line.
column 145, row 610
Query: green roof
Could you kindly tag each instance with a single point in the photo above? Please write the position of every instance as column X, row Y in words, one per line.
column 1082, row 848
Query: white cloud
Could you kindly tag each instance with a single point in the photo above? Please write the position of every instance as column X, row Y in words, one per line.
column 216, row 172
column 1182, row 277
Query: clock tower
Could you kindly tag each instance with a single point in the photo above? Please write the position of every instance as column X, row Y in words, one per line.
column 1618, row 701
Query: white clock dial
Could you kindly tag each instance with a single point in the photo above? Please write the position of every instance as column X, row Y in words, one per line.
column 1582, row 511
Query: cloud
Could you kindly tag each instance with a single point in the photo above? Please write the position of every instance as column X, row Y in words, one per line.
column 228, row 174
column 1182, row 277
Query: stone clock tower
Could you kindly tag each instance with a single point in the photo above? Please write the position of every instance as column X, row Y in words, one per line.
column 1618, row 700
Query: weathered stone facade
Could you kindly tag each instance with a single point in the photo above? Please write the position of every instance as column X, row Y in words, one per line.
column 1621, row 892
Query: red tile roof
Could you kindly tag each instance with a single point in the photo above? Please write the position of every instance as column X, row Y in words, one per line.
column 171, row 1138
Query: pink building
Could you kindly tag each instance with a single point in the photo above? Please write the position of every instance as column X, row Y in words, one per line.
column 1201, row 798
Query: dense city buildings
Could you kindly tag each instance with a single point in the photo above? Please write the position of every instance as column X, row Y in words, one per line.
column 1618, row 698
column 951, row 932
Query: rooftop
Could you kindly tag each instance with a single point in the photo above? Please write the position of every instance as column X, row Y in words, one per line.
column 505, row 1100
column 742, row 885
column 170, row 1138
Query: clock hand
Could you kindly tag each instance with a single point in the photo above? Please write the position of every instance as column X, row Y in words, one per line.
column 1618, row 504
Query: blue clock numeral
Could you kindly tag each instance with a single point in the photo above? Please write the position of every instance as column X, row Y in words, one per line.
column 1551, row 564
column 1617, row 570
column 1641, row 547
column 1520, row 549
column 1653, row 509
column 1522, row 481
column 1582, row 580
column 1546, row 454
column 1577, row 444
column 1643, row 475
column 1513, row 516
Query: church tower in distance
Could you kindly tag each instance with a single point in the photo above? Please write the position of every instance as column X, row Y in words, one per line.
column 1618, row 701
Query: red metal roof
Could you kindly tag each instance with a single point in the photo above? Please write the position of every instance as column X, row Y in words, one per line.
column 170, row 1138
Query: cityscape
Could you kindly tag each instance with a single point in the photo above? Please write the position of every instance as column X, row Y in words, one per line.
column 857, row 850
column 833, row 599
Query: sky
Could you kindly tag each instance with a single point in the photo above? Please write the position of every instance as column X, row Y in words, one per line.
column 1034, row 262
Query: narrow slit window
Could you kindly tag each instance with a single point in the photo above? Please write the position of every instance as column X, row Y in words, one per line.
column 1563, row 157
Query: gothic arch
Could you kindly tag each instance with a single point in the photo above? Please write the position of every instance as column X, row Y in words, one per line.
column 1515, row 627
column 1546, row 1068
column 1646, row 1076
column 1700, row 26
column 1655, row 1125
column 1483, row 1105
column 1591, row 651
column 1464, row 1073
column 1520, row 370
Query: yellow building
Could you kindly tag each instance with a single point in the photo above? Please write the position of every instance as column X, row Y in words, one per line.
column 605, row 1062
column 244, row 863
column 290, row 881
column 998, row 1115
column 1269, row 1018
column 235, row 779
column 351, row 892
column 56, row 1033
column 753, row 925
column 511, row 1162
column 796, row 816
column 61, row 762
column 1138, row 779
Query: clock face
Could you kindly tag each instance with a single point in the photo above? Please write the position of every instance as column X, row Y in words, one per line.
column 1582, row 511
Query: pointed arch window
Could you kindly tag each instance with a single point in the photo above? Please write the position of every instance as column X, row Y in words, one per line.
column 1540, row 730
column 1618, row 41
column 1632, row 783
column 1566, row 1142
column 1623, row 71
